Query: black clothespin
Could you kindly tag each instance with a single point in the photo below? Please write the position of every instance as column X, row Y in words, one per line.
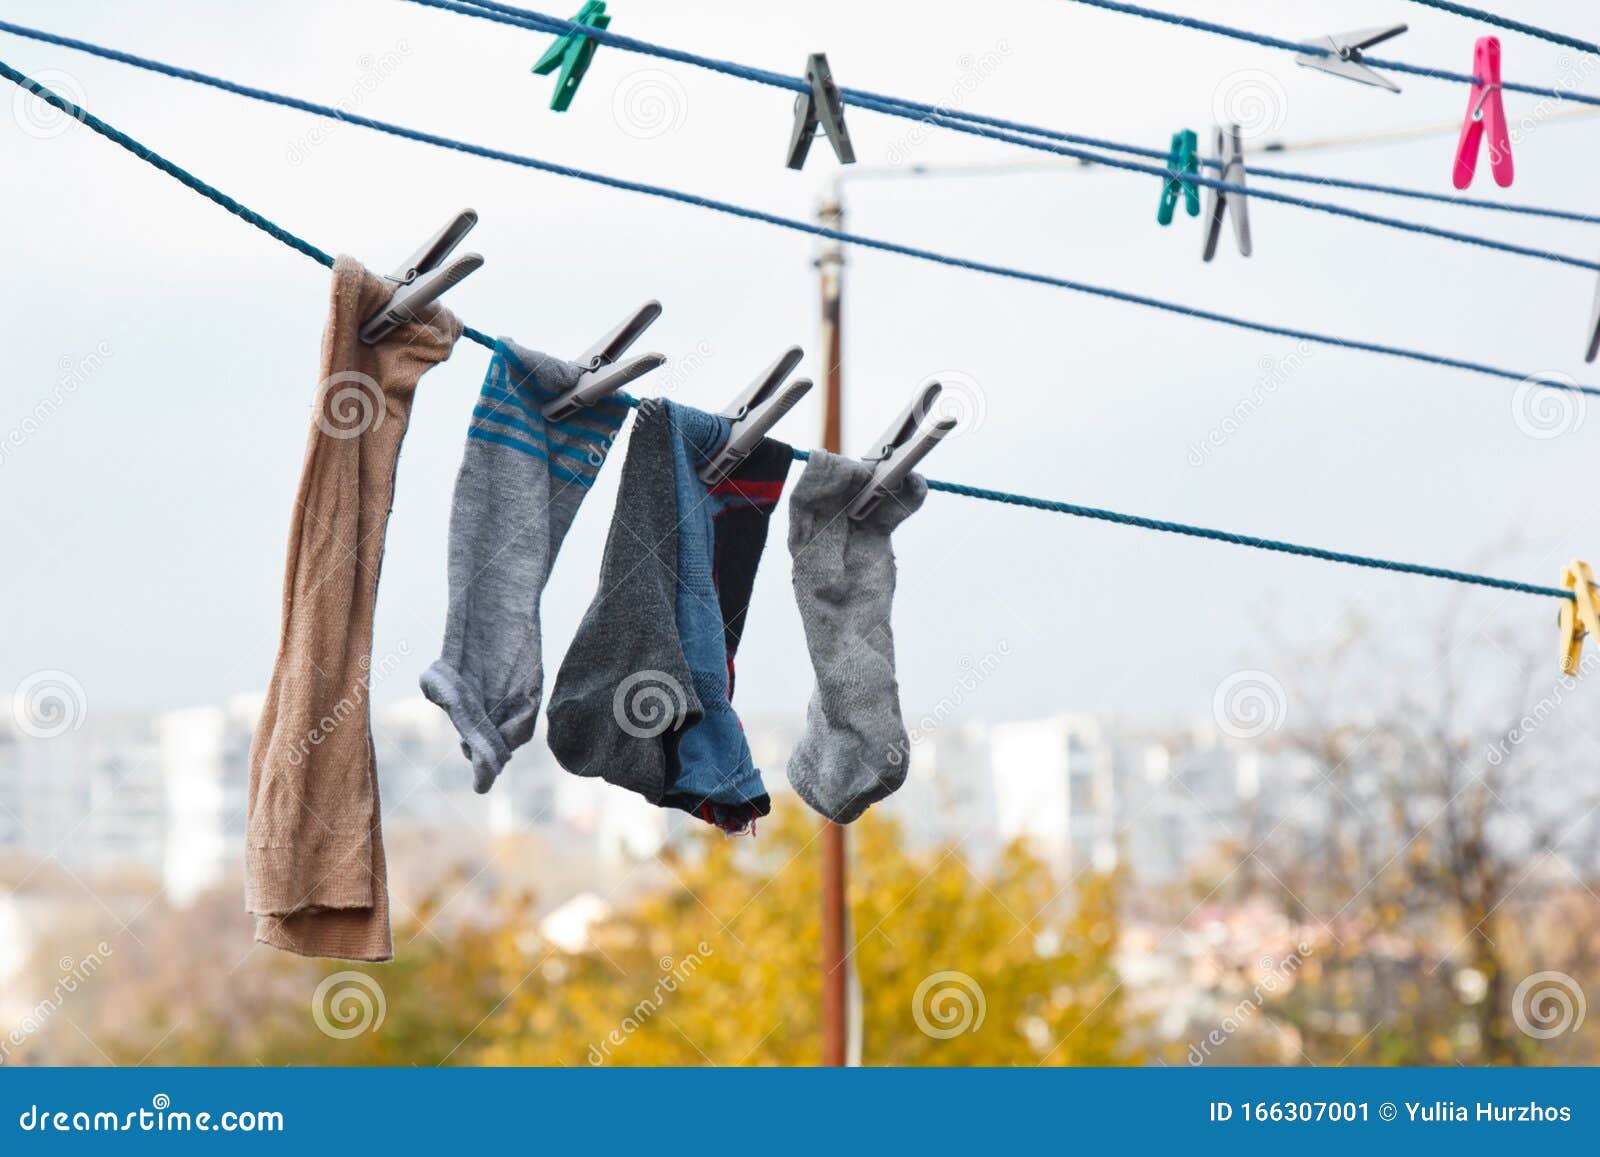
column 1222, row 202
column 821, row 106
column 602, row 375
column 756, row 411
column 908, row 440
column 424, row 278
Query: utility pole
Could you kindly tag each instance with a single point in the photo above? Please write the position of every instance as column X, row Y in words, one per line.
column 835, row 919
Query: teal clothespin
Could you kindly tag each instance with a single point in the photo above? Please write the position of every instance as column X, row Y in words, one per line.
column 1184, row 158
column 573, row 52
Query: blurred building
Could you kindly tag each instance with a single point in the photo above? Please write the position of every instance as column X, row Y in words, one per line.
column 204, row 758
column 166, row 795
column 1055, row 788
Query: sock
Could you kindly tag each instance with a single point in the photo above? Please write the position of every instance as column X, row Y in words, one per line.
column 719, row 526
column 853, row 750
column 521, row 482
column 624, row 694
column 315, row 874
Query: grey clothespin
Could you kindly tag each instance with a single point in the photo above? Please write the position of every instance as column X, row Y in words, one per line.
column 756, row 411
column 423, row 279
column 1222, row 202
column 1344, row 55
column 602, row 376
column 1594, row 329
column 821, row 106
column 908, row 440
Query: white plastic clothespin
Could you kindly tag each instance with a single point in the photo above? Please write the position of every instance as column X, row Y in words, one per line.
column 602, row 375
column 821, row 107
column 424, row 278
column 908, row 440
column 1344, row 55
column 1222, row 202
column 756, row 411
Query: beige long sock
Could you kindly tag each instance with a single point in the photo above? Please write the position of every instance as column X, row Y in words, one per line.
column 314, row 868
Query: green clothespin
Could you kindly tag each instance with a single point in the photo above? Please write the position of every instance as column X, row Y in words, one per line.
column 573, row 52
column 1184, row 158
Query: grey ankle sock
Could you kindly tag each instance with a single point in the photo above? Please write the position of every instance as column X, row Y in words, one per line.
column 522, row 479
column 853, row 751
column 624, row 694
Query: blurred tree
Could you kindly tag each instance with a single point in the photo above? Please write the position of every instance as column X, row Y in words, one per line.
column 1445, row 860
column 955, row 968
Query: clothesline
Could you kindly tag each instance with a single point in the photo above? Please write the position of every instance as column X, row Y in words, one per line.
column 1322, row 50
column 949, row 119
column 807, row 227
column 1513, row 25
column 984, row 494
column 524, row 18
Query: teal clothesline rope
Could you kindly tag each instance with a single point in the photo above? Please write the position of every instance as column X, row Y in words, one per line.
column 945, row 118
column 799, row 226
column 1513, row 25
column 233, row 206
column 1249, row 37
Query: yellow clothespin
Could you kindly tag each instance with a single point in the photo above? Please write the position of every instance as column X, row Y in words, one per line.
column 1580, row 615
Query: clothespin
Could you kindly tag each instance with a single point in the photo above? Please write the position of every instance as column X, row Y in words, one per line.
column 1580, row 615
column 908, row 440
column 1344, row 55
column 756, row 411
column 602, row 375
column 823, row 106
column 1184, row 158
column 422, row 280
column 572, row 51
column 1486, row 113
column 1221, row 202
column 1594, row 328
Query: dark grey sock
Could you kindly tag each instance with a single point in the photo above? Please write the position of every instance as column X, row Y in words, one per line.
column 522, row 479
column 853, row 751
column 624, row 694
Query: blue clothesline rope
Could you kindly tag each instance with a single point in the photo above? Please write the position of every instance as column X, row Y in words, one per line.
column 1023, row 135
column 1514, row 25
column 799, row 226
column 277, row 232
column 524, row 18
column 1322, row 50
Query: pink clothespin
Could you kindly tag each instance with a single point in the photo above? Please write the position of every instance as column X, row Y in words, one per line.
column 1485, row 111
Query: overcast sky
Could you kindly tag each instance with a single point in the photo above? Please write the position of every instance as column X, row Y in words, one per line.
column 144, row 522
